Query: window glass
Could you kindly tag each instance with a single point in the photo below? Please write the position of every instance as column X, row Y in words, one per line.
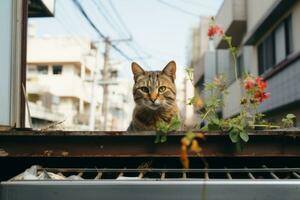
column 276, row 47
column 31, row 70
column 289, row 35
column 42, row 69
column 57, row 69
column 260, row 59
column 280, row 48
column 269, row 56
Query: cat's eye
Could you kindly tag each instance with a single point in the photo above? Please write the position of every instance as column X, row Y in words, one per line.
column 145, row 89
column 162, row 88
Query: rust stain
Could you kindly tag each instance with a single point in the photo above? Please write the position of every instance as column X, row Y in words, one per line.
column 64, row 153
column 3, row 152
column 48, row 152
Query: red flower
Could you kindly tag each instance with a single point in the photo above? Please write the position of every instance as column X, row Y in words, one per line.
column 261, row 96
column 262, row 85
column 214, row 30
column 249, row 83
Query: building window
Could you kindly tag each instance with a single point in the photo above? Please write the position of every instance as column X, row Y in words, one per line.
column 42, row 69
column 280, row 48
column 57, row 69
column 31, row 70
column 276, row 47
column 266, row 57
column 289, row 35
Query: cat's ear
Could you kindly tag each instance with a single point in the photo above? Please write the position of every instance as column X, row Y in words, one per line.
column 170, row 69
column 136, row 70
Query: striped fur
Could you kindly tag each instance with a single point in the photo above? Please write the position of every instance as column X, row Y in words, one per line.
column 154, row 94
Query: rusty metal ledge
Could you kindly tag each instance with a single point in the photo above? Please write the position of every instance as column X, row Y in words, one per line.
column 283, row 143
column 28, row 132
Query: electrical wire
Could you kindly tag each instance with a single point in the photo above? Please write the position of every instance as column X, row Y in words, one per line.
column 178, row 8
column 107, row 19
column 119, row 18
column 78, row 5
column 198, row 4
column 67, row 28
column 133, row 45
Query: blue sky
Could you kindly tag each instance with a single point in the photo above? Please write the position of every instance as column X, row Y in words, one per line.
column 160, row 33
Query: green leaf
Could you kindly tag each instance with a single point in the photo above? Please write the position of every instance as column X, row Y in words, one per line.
column 290, row 116
column 204, row 128
column 213, row 127
column 157, row 139
column 234, row 136
column 163, row 138
column 215, row 120
column 244, row 136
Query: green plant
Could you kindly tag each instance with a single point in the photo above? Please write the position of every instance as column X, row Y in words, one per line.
column 249, row 118
column 288, row 121
column 163, row 128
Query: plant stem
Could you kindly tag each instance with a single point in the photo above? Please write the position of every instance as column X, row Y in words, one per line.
column 233, row 54
column 205, row 115
column 235, row 65
column 264, row 125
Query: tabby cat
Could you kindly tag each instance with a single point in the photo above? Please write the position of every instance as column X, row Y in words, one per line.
column 154, row 94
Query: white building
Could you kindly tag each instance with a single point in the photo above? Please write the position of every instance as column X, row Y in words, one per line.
column 120, row 105
column 58, row 70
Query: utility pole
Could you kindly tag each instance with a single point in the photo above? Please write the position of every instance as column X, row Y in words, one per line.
column 94, row 83
column 104, row 82
column 105, row 79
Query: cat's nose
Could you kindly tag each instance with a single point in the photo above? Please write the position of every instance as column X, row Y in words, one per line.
column 156, row 102
column 153, row 97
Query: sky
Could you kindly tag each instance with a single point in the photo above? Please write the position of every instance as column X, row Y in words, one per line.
column 160, row 29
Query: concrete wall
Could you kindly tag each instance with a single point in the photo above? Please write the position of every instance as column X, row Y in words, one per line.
column 284, row 87
column 296, row 26
column 232, row 100
column 256, row 9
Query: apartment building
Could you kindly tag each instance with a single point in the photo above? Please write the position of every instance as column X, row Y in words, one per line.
column 120, row 105
column 266, row 34
column 197, row 46
column 59, row 86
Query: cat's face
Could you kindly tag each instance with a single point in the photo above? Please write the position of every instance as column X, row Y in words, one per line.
column 154, row 89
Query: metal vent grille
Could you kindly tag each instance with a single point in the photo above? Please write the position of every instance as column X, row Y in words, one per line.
column 216, row 179
column 264, row 172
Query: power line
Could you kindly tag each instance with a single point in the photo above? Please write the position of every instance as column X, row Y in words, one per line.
column 113, row 18
column 131, row 45
column 98, row 31
column 114, row 26
column 198, row 4
column 119, row 18
column 178, row 8
column 66, row 27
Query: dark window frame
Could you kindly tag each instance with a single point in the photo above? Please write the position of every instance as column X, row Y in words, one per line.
column 55, row 67
column 40, row 70
column 241, row 70
column 288, row 28
column 266, row 49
